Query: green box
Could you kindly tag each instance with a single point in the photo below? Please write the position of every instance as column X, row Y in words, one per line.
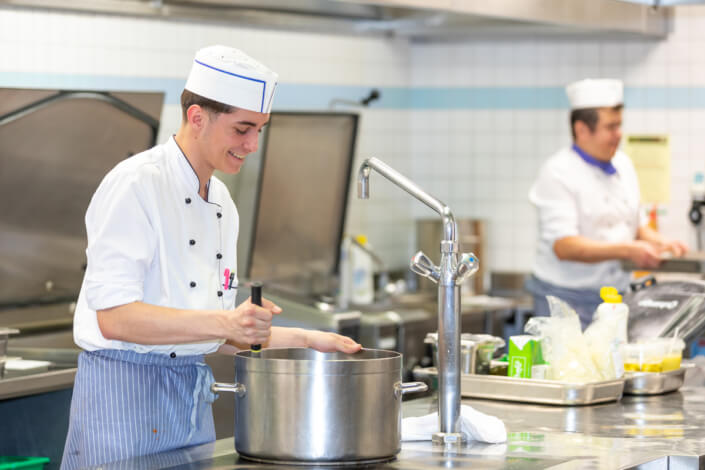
column 24, row 463
column 524, row 352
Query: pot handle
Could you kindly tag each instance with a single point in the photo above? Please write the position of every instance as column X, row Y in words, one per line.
column 409, row 387
column 238, row 389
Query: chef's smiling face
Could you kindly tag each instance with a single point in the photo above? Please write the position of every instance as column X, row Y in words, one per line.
column 227, row 138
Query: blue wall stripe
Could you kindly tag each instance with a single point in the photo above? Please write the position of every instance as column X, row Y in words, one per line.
column 293, row 96
column 308, row 96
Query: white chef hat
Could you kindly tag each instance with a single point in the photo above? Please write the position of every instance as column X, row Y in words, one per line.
column 231, row 77
column 595, row 93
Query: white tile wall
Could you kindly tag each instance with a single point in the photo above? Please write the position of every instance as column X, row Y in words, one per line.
column 481, row 162
column 507, row 147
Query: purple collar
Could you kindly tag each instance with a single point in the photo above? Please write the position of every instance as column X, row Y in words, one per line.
column 607, row 167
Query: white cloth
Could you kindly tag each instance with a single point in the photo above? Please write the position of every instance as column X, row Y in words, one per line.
column 150, row 238
column 475, row 425
column 230, row 76
column 575, row 198
column 595, row 93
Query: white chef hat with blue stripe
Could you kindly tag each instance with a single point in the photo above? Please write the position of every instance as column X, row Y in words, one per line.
column 595, row 93
column 229, row 76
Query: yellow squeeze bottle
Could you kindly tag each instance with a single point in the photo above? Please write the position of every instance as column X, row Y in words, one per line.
column 613, row 310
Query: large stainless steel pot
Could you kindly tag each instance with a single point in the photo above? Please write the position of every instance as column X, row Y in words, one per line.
column 298, row 405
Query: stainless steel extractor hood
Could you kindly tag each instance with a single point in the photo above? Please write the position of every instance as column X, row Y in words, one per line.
column 408, row 18
column 665, row 3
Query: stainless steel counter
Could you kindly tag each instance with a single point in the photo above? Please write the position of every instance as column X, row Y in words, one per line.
column 59, row 377
column 656, row 432
column 37, row 383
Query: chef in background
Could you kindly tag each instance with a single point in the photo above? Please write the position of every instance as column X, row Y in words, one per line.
column 587, row 198
column 159, row 289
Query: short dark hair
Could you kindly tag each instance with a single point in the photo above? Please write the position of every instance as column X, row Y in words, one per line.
column 189, row 98
column 587, row 115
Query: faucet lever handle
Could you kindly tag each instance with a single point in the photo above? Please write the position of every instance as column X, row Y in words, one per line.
column 468, row 264
column 423, row 266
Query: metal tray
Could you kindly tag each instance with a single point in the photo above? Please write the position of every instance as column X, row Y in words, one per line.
column 654, row 383
column 547, row 392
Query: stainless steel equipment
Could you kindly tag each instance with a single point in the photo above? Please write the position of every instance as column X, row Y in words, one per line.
column 665, row 308
column 654, row 383
column 476, row 351
column 486, row 345
column 299, row 405
column 83, row 135
column 403, row 18
column 451, row 273
column 294, row 235
column 468, row 350
column 471, row 238
column 547, row 392
column 4, row 337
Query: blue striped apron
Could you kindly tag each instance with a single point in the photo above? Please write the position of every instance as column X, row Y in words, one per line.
column 126, row 404
column 583, row 301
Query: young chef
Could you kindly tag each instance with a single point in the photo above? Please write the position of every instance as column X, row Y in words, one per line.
column 587, row 197
column 159, row 289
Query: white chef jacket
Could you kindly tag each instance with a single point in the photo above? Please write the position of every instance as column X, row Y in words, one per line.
column 573, row 198
column 152, row 238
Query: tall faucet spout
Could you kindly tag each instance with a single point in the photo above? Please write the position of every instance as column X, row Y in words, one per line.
column 448, row 298
column 450, row 228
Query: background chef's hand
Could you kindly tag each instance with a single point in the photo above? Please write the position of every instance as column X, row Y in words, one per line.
column 250, row 323
column 329, row 342
column 644, row 254
column 677, row 247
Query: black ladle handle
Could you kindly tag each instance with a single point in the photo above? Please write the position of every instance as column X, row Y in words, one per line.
column 256, row 295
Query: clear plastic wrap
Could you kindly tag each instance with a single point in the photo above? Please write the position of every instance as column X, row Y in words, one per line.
column 606, row 337
column 563, row 344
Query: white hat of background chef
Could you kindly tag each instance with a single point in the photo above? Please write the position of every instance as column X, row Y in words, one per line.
column 595, row 93
column 231, row 77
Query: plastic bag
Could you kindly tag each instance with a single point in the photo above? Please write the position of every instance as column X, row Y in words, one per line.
column 563, row 345
column 606, row 337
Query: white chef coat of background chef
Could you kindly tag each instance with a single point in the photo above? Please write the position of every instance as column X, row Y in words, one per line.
column 140, row 236
column 576, row 198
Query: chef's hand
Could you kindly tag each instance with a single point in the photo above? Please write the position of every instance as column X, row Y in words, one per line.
column 330, row 342
column 250, row 323
column 644, row 254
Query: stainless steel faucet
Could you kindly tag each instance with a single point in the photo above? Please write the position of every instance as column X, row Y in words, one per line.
column 453, row 270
